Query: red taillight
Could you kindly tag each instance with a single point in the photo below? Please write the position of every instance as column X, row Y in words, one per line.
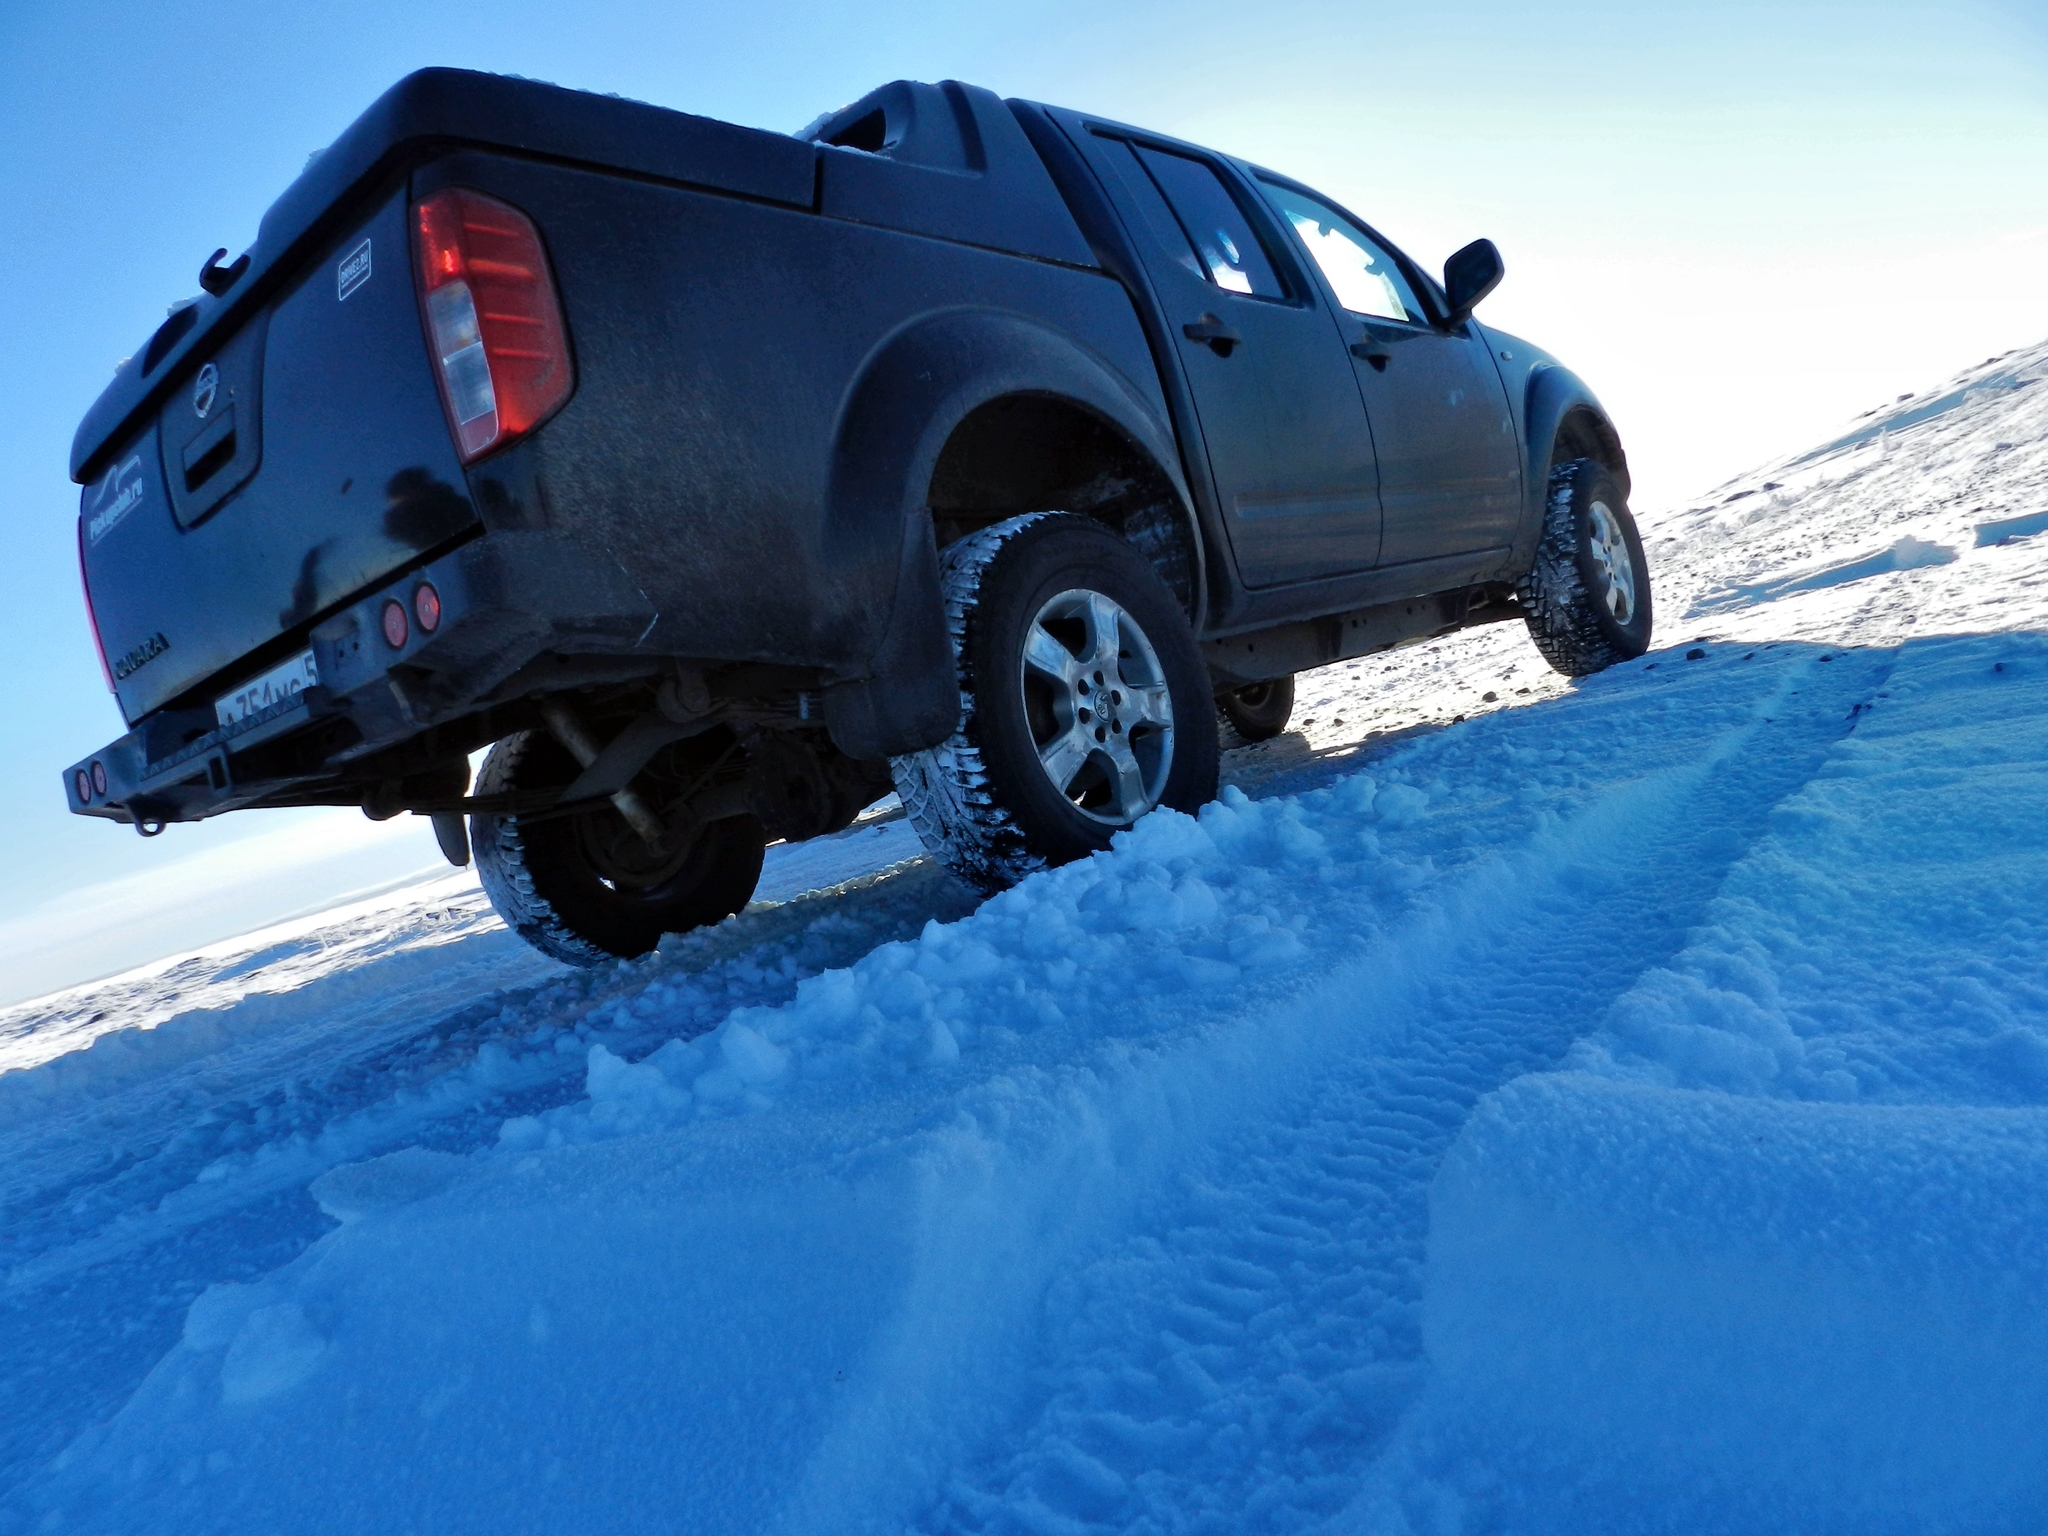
column 426, row 607
column 493, row 321
column 394, row 623
column 92, row 620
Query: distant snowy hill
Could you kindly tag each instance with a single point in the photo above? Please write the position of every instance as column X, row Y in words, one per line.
column 1517, row 1106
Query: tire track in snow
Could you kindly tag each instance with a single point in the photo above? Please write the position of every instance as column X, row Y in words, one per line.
column 1289, row 1241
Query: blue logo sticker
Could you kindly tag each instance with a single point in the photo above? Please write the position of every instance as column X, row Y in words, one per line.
column 353, row 272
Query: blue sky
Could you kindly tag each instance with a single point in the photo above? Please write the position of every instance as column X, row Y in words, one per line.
column 1741, row 223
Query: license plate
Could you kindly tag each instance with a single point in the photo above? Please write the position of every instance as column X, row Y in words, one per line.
column 259, row 693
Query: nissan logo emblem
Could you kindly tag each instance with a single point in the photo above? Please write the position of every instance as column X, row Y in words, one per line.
column 204, row 388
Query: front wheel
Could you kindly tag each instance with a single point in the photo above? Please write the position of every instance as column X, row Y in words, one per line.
column 1084, row 702
column 585, row 887
column 1587, row 599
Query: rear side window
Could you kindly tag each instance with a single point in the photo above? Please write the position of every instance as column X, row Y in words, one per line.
column 1167, row 234
column 1225, row 249
column 1361, row 273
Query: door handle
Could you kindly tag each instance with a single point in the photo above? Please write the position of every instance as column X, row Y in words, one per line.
column 1372, row 350
column 1221, row 339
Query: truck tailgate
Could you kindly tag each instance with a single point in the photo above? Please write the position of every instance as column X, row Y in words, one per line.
column 301, row 459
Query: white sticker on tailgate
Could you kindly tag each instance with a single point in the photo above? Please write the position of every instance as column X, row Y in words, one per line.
column 260, row 693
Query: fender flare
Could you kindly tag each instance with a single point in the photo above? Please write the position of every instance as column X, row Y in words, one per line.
column 907, row 397
column 1553, row 394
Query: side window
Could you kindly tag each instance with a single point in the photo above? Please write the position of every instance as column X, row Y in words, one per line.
column 1228, row 252
column 1158, row 217
column 1366, row 280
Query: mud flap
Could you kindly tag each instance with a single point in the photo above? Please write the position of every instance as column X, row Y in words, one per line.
column 910, row 698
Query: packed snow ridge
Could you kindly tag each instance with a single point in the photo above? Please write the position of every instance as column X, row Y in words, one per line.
column 1514, row 1106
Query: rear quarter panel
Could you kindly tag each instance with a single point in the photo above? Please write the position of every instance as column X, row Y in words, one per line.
column 720, row 344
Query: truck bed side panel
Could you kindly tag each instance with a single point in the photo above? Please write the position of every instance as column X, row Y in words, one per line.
column 717, row 343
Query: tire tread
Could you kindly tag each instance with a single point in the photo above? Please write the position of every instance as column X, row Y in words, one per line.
column 945, row 790
column 503, row 871
column 1562, row 612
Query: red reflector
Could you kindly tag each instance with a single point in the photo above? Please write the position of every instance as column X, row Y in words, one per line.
column 494, row 323
column 99, row 778
column 426, row 607
column 394, row 624
column 83, row 785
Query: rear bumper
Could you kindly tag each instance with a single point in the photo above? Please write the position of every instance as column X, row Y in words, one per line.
column 506, row 599
column 123, row 782
column 183, row 764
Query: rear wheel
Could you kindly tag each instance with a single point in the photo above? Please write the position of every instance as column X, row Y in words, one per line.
column 1084, row 702
column 1588, row 597
column 585, row 887
column 1257, row 711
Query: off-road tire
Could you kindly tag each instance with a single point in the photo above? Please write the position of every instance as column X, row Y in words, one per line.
column 1256, row 711
column 540, row 875
column 1566, row 597
column 981, row 801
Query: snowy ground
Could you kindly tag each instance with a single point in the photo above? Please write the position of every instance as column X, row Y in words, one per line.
column 1533, row 1107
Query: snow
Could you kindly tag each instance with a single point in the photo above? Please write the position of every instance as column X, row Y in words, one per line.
column 1805, row 1156
column 1517, row 1105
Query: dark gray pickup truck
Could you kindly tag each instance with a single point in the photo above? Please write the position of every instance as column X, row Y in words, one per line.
column 721, row 481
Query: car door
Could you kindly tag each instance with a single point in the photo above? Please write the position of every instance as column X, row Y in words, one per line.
column 1286, row 432
column 1450, row 472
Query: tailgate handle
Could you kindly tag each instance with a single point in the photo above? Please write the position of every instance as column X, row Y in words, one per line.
column 211, row 451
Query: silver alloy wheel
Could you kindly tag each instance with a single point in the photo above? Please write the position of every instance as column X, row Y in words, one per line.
column 1096, row 700
column 1610, row 555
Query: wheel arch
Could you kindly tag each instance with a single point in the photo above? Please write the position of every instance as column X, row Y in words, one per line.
column 1034, row 451
column 1567, row 422
column 1563, row 421
column 949, row 420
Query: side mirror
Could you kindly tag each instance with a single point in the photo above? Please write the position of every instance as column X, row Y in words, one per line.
column 1469, row 276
